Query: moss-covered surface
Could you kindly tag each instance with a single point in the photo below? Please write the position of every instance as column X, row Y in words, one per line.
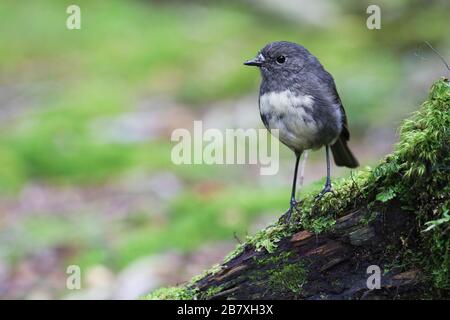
column 416, row 175
column 290, row 277
column 172, row 293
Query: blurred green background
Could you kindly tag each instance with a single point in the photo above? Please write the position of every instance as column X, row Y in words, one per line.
column 86, row 117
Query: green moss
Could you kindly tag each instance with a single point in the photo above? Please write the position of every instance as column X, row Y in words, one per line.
column 290, row 278
column 187, row 292
column 268, row 238
column 276, row 259
column 212, row 291
column 418, row 171
column 172, row 293
column 238, row 250
column 368, row 218
column 211, row 271
column 265, row 239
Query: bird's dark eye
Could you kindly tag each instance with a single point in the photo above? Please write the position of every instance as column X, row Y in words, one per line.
column 281, row 59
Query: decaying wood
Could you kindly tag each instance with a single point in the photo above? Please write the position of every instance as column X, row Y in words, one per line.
column 335, row 263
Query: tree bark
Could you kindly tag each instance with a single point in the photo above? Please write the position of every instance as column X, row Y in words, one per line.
column 334, row 264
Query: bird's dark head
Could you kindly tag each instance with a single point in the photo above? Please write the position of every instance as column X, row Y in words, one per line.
column 280, row 60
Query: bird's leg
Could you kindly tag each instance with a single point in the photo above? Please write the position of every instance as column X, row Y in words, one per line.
column 293, row 203
column 327, row 187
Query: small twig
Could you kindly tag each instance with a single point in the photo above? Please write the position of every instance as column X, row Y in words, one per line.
column 438, row 54
column 354, row 184
column 236, row 237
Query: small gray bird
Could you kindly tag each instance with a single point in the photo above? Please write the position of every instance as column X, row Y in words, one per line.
column 299, row 98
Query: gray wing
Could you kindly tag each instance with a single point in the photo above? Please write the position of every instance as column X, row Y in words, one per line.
column 324, row 91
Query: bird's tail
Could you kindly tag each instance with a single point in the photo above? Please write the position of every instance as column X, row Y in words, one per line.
column 342, row 155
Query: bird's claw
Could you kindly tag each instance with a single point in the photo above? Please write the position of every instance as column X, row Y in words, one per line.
column 288, row 214
column 325, row 190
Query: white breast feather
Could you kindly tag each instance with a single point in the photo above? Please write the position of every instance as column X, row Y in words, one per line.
column 287, row 113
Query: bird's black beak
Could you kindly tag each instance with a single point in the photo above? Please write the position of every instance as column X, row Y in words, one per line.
column 258, row 61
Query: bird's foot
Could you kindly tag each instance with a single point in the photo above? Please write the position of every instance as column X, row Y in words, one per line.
column 286, row 217
column 325, row 190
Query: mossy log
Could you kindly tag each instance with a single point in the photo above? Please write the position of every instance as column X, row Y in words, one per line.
column 394, row 217
column 329, row 265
